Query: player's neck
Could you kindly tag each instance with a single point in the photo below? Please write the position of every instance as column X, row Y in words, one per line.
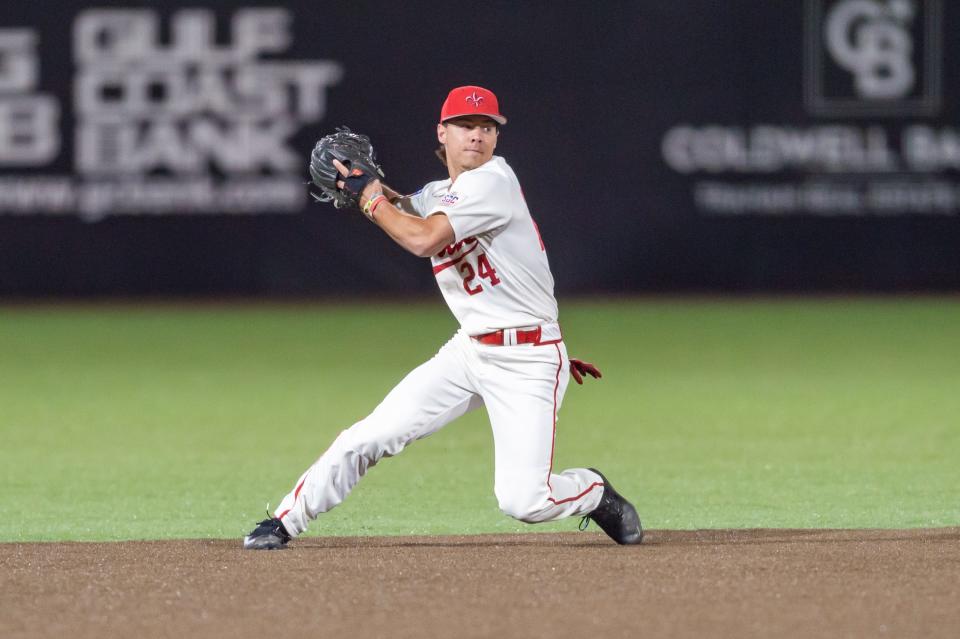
column 456, row 171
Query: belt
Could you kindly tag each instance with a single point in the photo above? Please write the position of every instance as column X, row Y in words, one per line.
column 509, row 337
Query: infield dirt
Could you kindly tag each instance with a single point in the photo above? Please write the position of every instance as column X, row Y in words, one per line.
column 716, row 583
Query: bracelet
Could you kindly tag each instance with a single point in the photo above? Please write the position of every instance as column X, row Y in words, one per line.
column 373, row 209
column 372, row 203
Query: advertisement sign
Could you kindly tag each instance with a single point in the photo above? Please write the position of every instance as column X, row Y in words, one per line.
column 185, row 125
column 691, row 147
column 872, row 86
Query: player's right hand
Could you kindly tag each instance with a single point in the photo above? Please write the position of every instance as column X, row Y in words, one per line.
column 578, row 368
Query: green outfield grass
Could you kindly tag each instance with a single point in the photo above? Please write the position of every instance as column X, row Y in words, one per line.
column 125, row 422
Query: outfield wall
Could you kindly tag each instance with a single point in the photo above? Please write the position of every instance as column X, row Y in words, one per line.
column 684, row 146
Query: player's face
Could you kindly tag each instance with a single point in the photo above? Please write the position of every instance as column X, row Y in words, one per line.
column 469, row 141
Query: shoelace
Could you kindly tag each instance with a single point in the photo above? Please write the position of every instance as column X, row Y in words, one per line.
column 275, row 526
column 613, row 508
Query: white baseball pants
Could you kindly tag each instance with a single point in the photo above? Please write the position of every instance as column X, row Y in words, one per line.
column 522, row 387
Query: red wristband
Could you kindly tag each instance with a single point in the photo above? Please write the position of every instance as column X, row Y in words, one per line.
column 373, row 209
column 372, row 204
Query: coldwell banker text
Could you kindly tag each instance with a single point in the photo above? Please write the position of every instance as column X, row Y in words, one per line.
column 820, row 170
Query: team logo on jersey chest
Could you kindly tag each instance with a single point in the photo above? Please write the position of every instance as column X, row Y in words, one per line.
column 456, row 247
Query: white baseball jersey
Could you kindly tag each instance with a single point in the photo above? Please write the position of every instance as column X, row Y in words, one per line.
column 495, row 275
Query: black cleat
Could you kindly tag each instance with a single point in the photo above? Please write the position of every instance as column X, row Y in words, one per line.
column 268, row 535
column 616, row 516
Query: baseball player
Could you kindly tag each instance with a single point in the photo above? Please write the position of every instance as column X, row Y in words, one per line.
column 508, row 355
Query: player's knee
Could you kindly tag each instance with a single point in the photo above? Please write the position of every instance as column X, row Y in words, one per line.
column 524, row 505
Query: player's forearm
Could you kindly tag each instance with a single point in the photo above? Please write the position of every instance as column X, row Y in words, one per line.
column 422, row 237
column 392, row 195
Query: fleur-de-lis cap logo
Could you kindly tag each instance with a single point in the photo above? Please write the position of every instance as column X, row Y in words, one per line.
column 471, row 100
column 475, row 99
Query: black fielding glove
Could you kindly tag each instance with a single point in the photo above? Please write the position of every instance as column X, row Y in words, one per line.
column 356, row 153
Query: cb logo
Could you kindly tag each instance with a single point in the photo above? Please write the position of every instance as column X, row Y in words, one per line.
column 873, row 57
column 872, row 40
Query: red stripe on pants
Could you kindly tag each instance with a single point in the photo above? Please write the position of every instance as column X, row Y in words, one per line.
column 296, row 494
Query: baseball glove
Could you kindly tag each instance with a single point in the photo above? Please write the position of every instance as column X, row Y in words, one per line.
column 356, row 153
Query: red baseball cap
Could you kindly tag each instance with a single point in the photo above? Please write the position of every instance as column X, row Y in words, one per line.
column 471, row 100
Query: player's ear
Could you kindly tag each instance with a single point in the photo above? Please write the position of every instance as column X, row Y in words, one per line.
column 442, row 133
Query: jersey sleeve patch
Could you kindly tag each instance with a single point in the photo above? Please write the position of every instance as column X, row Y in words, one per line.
column 450, row 199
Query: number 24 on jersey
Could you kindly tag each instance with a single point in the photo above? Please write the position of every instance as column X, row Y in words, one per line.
column 484, row 270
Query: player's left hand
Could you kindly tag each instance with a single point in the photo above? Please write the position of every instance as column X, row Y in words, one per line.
column 328, row 168
column 358, row 184
column 578, row 368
